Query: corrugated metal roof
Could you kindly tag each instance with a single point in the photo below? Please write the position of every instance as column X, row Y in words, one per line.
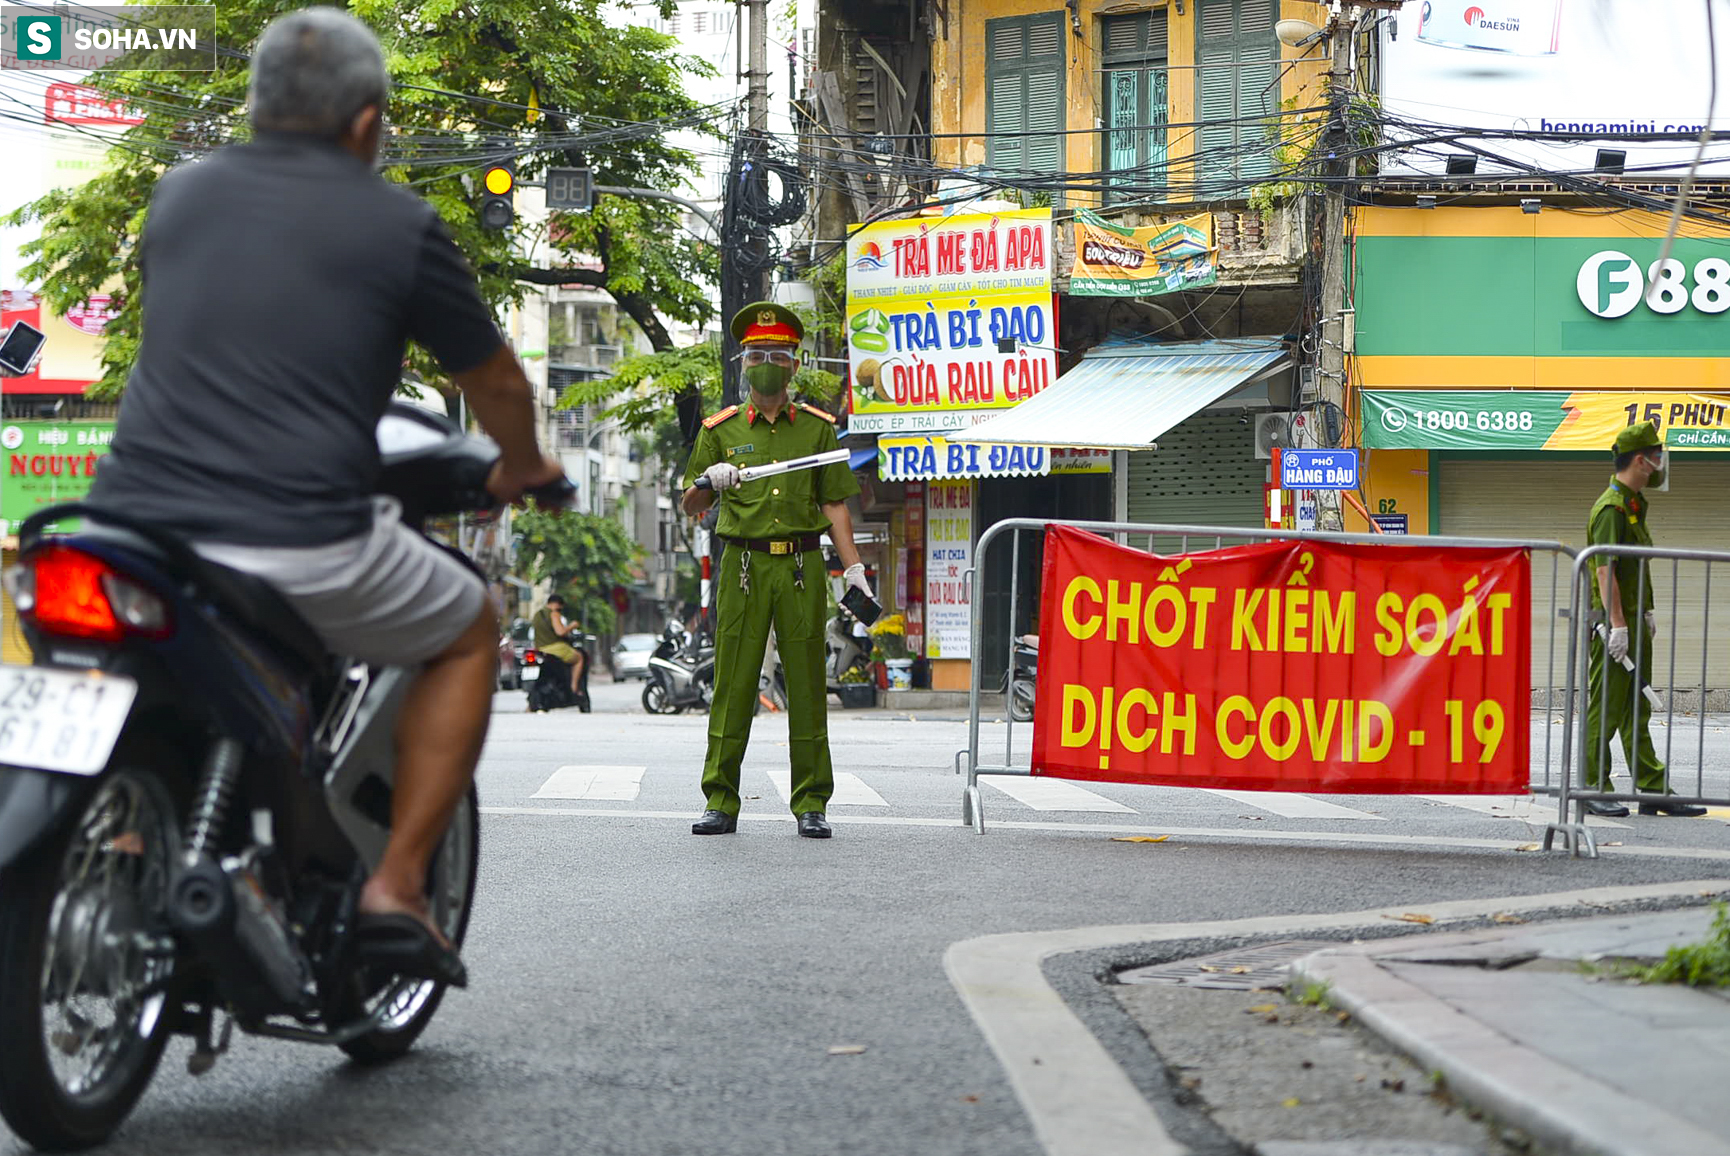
column 1125, row 397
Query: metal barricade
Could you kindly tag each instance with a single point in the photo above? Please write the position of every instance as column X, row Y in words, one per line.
column 1548, row 777
column 1644, row 701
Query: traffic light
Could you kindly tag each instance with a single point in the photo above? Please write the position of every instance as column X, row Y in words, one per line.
column 498, row 194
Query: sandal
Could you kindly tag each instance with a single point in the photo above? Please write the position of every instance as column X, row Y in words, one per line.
column 407, row 947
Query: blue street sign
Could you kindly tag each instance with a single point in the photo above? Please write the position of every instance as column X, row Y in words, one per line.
column 1318, row 469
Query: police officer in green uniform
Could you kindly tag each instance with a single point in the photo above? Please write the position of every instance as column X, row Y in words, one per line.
column 1615, row 703
column 772, row 571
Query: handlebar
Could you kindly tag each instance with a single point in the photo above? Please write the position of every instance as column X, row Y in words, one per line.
column 560, row 494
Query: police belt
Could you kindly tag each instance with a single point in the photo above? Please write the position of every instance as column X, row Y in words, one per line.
column 798, row 544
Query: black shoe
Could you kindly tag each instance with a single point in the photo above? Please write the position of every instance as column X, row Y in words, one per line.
column 715, row 823
column 1674, row 810
column 812, row 825
column 1608, row 810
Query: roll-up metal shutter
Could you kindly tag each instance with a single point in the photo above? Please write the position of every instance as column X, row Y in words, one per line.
column 1538, row 500
column 1204, row 473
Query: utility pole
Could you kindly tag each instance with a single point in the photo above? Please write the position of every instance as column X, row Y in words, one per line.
column 757, row 71
column 743, row 280
column 1327, row 420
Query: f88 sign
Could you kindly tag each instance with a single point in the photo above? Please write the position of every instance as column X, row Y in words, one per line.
column 1286, row 666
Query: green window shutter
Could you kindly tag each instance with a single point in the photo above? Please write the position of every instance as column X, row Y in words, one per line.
column 1135, row 97
column 1024, row 90
column 1238, row 86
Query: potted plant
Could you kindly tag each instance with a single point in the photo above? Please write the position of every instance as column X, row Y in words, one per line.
column 856, row 689
column 889, row 634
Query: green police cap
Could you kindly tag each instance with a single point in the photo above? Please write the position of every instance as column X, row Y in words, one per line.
column 764, row 322
column 1638, row 437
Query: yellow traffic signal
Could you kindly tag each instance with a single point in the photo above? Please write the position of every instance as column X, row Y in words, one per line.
column 498, row 180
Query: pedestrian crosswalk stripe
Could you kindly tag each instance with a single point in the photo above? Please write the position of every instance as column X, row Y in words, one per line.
column 1526, row 808
column 1292, row 805
column 616, row 784
column 850, row 789
column 1043, row 794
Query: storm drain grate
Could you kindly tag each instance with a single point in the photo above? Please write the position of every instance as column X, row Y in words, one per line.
column 1244, row 969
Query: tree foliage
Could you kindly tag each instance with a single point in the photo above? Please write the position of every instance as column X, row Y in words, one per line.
column 584, row 556
column 466, row 73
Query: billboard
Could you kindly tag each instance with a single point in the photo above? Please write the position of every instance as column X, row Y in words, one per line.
column 1112, row 261
column 948, row 315
column 1610, row 71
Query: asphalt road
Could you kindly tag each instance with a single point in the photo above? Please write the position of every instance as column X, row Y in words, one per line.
column 638, row 990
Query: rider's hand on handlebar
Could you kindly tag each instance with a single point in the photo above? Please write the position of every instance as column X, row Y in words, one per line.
column 509, row 485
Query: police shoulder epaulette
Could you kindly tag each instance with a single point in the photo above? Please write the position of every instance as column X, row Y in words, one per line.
column 716, row 419
column 828, row 417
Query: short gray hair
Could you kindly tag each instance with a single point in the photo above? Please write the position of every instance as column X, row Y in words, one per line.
column 313, row 70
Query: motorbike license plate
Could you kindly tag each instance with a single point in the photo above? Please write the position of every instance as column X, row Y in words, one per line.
column 530, row 673
column 61, row 720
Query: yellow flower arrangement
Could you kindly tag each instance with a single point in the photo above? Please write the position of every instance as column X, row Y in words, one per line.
column 889, row 634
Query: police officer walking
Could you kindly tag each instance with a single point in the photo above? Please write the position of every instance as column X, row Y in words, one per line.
column 772, row 572
column 1615, row 703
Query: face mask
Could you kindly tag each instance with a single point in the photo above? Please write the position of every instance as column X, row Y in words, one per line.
column 768, row 379
column 1657, row 478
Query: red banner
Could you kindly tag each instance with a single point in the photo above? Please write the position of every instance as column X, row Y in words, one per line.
column 1288, row 666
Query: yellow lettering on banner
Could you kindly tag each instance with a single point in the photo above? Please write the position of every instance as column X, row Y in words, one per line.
column 1284, row 708
column 1432, row 644
column 1079, row 629
column 1074, row 696
column 1174, row 722
column 1273, row 605
column 1388, row 637
column 1297, row 620
column 1374, row 750
column 1466, row 634
column 1243, row 619
column 1336, row 631
column 1200, row 599
column 1139, row 697
column 1237, row 704
column 1347, row 752
column 1499, row 605
column 1119, row 610
column 1105, row 720
column 1321, row 737
column 1166, row 596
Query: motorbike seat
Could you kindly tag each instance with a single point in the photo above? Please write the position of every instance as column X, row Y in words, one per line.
column 250, row 600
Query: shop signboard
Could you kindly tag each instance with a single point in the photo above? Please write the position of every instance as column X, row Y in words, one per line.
column 1541, row 72
column 1299, row 665
column 1067, row 460
column 948, row 556
column 902, row 459
column 948, row 314
column 1113, row 261
column 47, row 463
column 1478, row 419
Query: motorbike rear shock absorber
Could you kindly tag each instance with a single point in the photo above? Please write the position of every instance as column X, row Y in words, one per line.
column 215, row 794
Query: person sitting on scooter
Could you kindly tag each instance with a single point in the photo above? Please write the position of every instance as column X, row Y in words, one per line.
column 551, row 631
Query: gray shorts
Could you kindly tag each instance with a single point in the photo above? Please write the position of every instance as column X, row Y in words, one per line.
column 388, row 596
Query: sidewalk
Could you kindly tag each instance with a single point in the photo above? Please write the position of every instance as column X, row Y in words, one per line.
column 1516, row 1029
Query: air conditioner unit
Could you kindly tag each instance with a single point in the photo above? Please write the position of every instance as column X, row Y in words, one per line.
column 1271, row 430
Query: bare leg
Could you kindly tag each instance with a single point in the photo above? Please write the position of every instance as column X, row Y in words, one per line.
column 444, row 721
column 577, row 673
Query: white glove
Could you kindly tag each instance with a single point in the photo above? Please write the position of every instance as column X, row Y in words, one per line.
column 854, row 576
column 1652, row 621
column 1618, row 645
column 722, row 476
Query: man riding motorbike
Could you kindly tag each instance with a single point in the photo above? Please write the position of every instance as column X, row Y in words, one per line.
column 281, row 281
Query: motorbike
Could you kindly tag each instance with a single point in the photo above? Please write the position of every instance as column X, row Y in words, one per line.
column 681, row 673
column 843, row 650
column 550, row 685
column 1023, row 677
column 192, row 792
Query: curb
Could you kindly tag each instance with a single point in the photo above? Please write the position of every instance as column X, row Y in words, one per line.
column 1565, row 1108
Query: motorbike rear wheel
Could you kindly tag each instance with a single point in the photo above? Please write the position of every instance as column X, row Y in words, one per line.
column 1021, row 700
column 86, row 962
column 413, row 1002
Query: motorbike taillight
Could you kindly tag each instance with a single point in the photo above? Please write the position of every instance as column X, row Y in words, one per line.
column 77, row 595
column 531, row 657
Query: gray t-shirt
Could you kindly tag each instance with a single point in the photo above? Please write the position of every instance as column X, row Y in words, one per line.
column 282, row 281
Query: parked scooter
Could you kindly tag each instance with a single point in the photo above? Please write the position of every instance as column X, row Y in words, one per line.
column 1023, row 677
column 845, row 649
column 550, row 686
column 192, row 790
column 681, row 673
